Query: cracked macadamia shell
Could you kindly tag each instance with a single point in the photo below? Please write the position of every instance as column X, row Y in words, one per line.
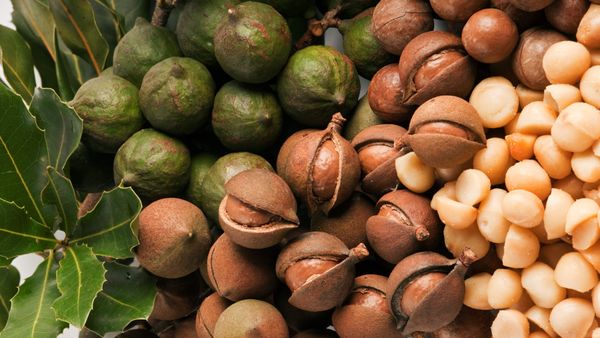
column 265, row 193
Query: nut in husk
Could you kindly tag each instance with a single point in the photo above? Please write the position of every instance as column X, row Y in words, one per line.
column 258, row 210
column 318, row 268
column 404, row 224
column 425, row 290
column 322, row 168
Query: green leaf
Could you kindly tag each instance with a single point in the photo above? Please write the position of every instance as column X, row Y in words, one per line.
column 45, row 66
column 9, row 281
column 71, row 70
column 108, row 23
column 17, row 62
column 19, row 234
column 23, row 157
column 128, row 292
column 80, row 278
column 108, row 228
column 62, row 126
column 4, row 261
column 60, row 193
column 76, row 24
column 130, row 10
column 31, row 314
column 34, row 19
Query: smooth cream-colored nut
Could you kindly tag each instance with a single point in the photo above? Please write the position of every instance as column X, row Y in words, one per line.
column 590, row 86
column 476, row 291
column 577, row 127
column 596, row 147
column 455, row 214
column 539, row 334
column 570, row 184
column 541, row 318
column 528, row 95
column 554, row 160
column 520, row 146
column 551, row 253
column 555, row 213
column 586, row 234
column 456, row 240
column 444, row 175
column 521, row 248
column 504, row 289
column 524, row 303
column 528, row 175
column 596, row 333
column 559, row 96
column 490, row 218
column 541, row 234
column 536, row 118
column 573, row 271
column 413, row 173
column 572, row 318
column 496, row 101
column 494, row 160
column 586, row 166
column 510, row 324
column 472, row 186
column 588, row 31
column 579, row 212
column 592, row 255
column 538, row 280
column 595, row 53
column 448, row 191
column 523, row 208
column 596, row 299
column 566, row 61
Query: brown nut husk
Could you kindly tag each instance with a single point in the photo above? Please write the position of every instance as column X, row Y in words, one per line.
column 258, row 210
column 457, row 10
column 208, row 314
column 435, row 63
column 174, row 237
column 565, row 15
column 446, row 131
column 378, row 147
column 365, row 312
column 425, row 290
column 531, row 5
column 396, row 22
column 346, row 222
column 251, row 318
column 321, row 167
column 527, row 58
column 523, row 19
column 239, row 273
column 386, row 95
column 318, row 268
column 405, row 223
column 297, row 319
column 468, row 323
column 178, row 297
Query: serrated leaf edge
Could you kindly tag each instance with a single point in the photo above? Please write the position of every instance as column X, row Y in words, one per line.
column 58, row 285
column 22, row 234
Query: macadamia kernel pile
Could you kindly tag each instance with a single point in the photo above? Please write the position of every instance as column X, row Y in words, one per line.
column 530, row 198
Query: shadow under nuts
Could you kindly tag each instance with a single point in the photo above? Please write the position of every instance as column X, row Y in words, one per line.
column 435, row 63
column 258, row 210
column 405, row 223
column 425, row 290
column 378, row 148
column 445, row 131
column 321, row 167
column 366, row 303
column 318, row 268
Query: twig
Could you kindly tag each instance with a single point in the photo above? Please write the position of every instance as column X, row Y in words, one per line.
column 163, row 8
column 316, row 27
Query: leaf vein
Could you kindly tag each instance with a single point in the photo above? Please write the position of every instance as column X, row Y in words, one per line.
column 18, row 172
column 44, row 286
column 27, row 235
column 118, row 301
column 39, row 32
column 16, row 75
column 99, row 233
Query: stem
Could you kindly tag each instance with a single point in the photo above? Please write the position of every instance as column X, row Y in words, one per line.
column 316, row 28
column 163, row 8
column 337, row 122
column 89, row 202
